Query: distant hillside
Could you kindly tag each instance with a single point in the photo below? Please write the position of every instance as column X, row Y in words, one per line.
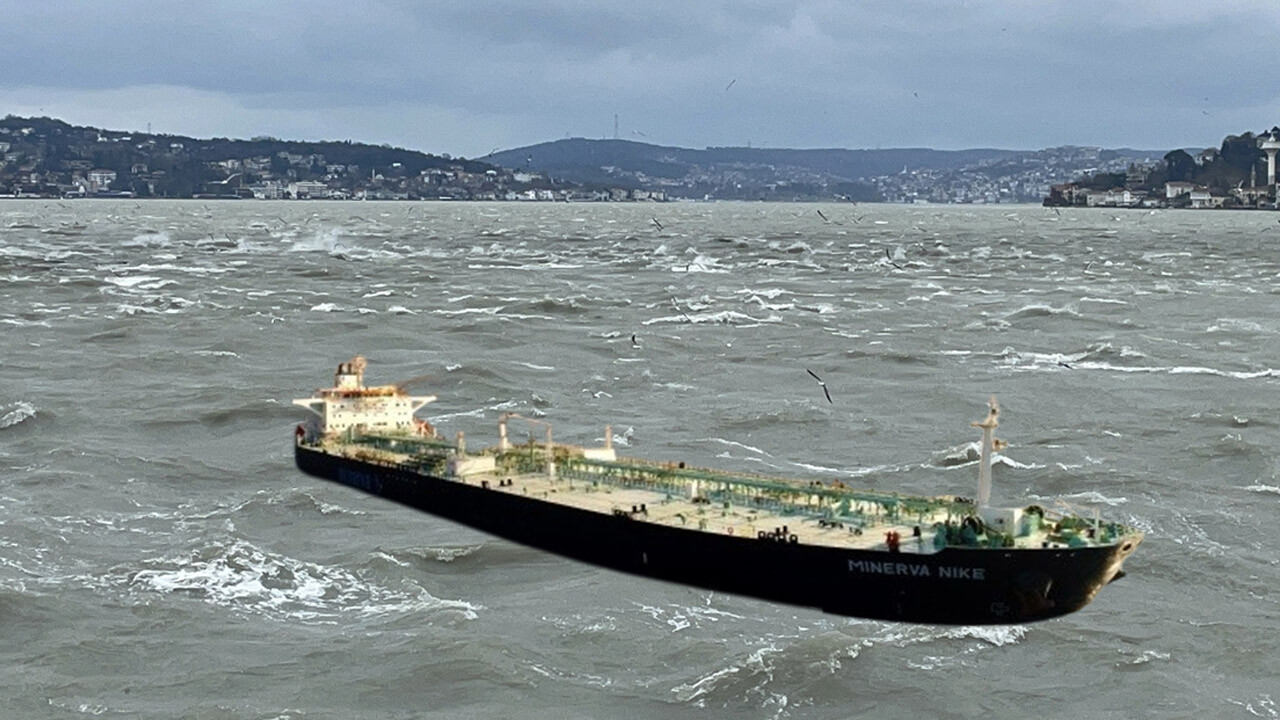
column 46, row 156
column 897, row 175
column 582, row 155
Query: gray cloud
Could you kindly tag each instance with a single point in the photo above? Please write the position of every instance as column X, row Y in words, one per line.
column 806, row 73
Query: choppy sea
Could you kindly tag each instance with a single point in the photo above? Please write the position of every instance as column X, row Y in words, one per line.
column 161, row 557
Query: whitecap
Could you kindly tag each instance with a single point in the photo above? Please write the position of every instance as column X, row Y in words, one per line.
column 998, row 635
column 127, row 309
column 687, row 692
column 140, row 282
column 156, row 239
column 246, row 578
column 726, row 317
column 326, row 307
column 1093, row 496
column 733, row 443
column 1010, row 462
column 819, row 468
column 15, row 412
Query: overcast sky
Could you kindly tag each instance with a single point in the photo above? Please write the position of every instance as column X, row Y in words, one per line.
column 470, row 76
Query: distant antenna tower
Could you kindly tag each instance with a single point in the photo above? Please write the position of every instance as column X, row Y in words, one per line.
column 615, row 126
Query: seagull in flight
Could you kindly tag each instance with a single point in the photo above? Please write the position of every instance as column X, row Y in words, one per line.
column 825, row 391
column 825, row 218
column 655, row 222
column 731, row 82
column 891, row 262
column 682, row 312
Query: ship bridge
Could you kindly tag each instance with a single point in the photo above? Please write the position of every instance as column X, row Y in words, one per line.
column 350, row 406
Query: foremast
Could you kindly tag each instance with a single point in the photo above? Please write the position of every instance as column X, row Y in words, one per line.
column 990, row 446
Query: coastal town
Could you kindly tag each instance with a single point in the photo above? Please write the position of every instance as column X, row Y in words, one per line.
column 1241, row 174
column 46, row 158
column 43, row 158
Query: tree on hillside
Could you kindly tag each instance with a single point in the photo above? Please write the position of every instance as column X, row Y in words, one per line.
column 1240, row 151
column 1180, row 166
column 1103, row 181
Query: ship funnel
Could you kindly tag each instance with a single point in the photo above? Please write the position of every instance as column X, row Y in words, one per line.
column 350, row 375
column 989, row 446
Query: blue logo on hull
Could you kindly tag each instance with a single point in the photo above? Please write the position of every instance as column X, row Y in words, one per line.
column 360, row 479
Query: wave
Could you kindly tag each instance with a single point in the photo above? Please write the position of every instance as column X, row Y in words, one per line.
column 443, row 554
column 326, row 240
column 733, row 443
column 256, row 414
column 242, row 577
column 140, row 282
column 1093, row 496
column 724, row 317
column 1039, row 311
column 293, row 499
column 16, row 412
column 149, row 240
column 971, row 453
column 1106, row 352
column 779, row 662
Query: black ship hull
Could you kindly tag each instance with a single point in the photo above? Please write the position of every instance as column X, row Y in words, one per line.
column 959, row 586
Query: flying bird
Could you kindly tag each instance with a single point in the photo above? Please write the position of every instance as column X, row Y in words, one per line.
column 655, row 222
column 825, row 391
column 634, row 343
column 826, row 219
column 1065, row 365
column 731, row 82
column 890, row 259
column 682, row 312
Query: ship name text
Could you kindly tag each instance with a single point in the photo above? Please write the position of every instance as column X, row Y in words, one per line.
column 917, row 570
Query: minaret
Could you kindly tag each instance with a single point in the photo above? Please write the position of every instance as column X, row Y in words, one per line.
column 1270, row 144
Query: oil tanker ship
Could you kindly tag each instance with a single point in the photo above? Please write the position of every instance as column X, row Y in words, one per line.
column 861, row 553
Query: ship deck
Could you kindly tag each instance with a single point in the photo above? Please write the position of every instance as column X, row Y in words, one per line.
column 738, row 504
column 726, row 518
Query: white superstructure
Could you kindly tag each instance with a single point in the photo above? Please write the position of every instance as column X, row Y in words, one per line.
column 350, row 405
